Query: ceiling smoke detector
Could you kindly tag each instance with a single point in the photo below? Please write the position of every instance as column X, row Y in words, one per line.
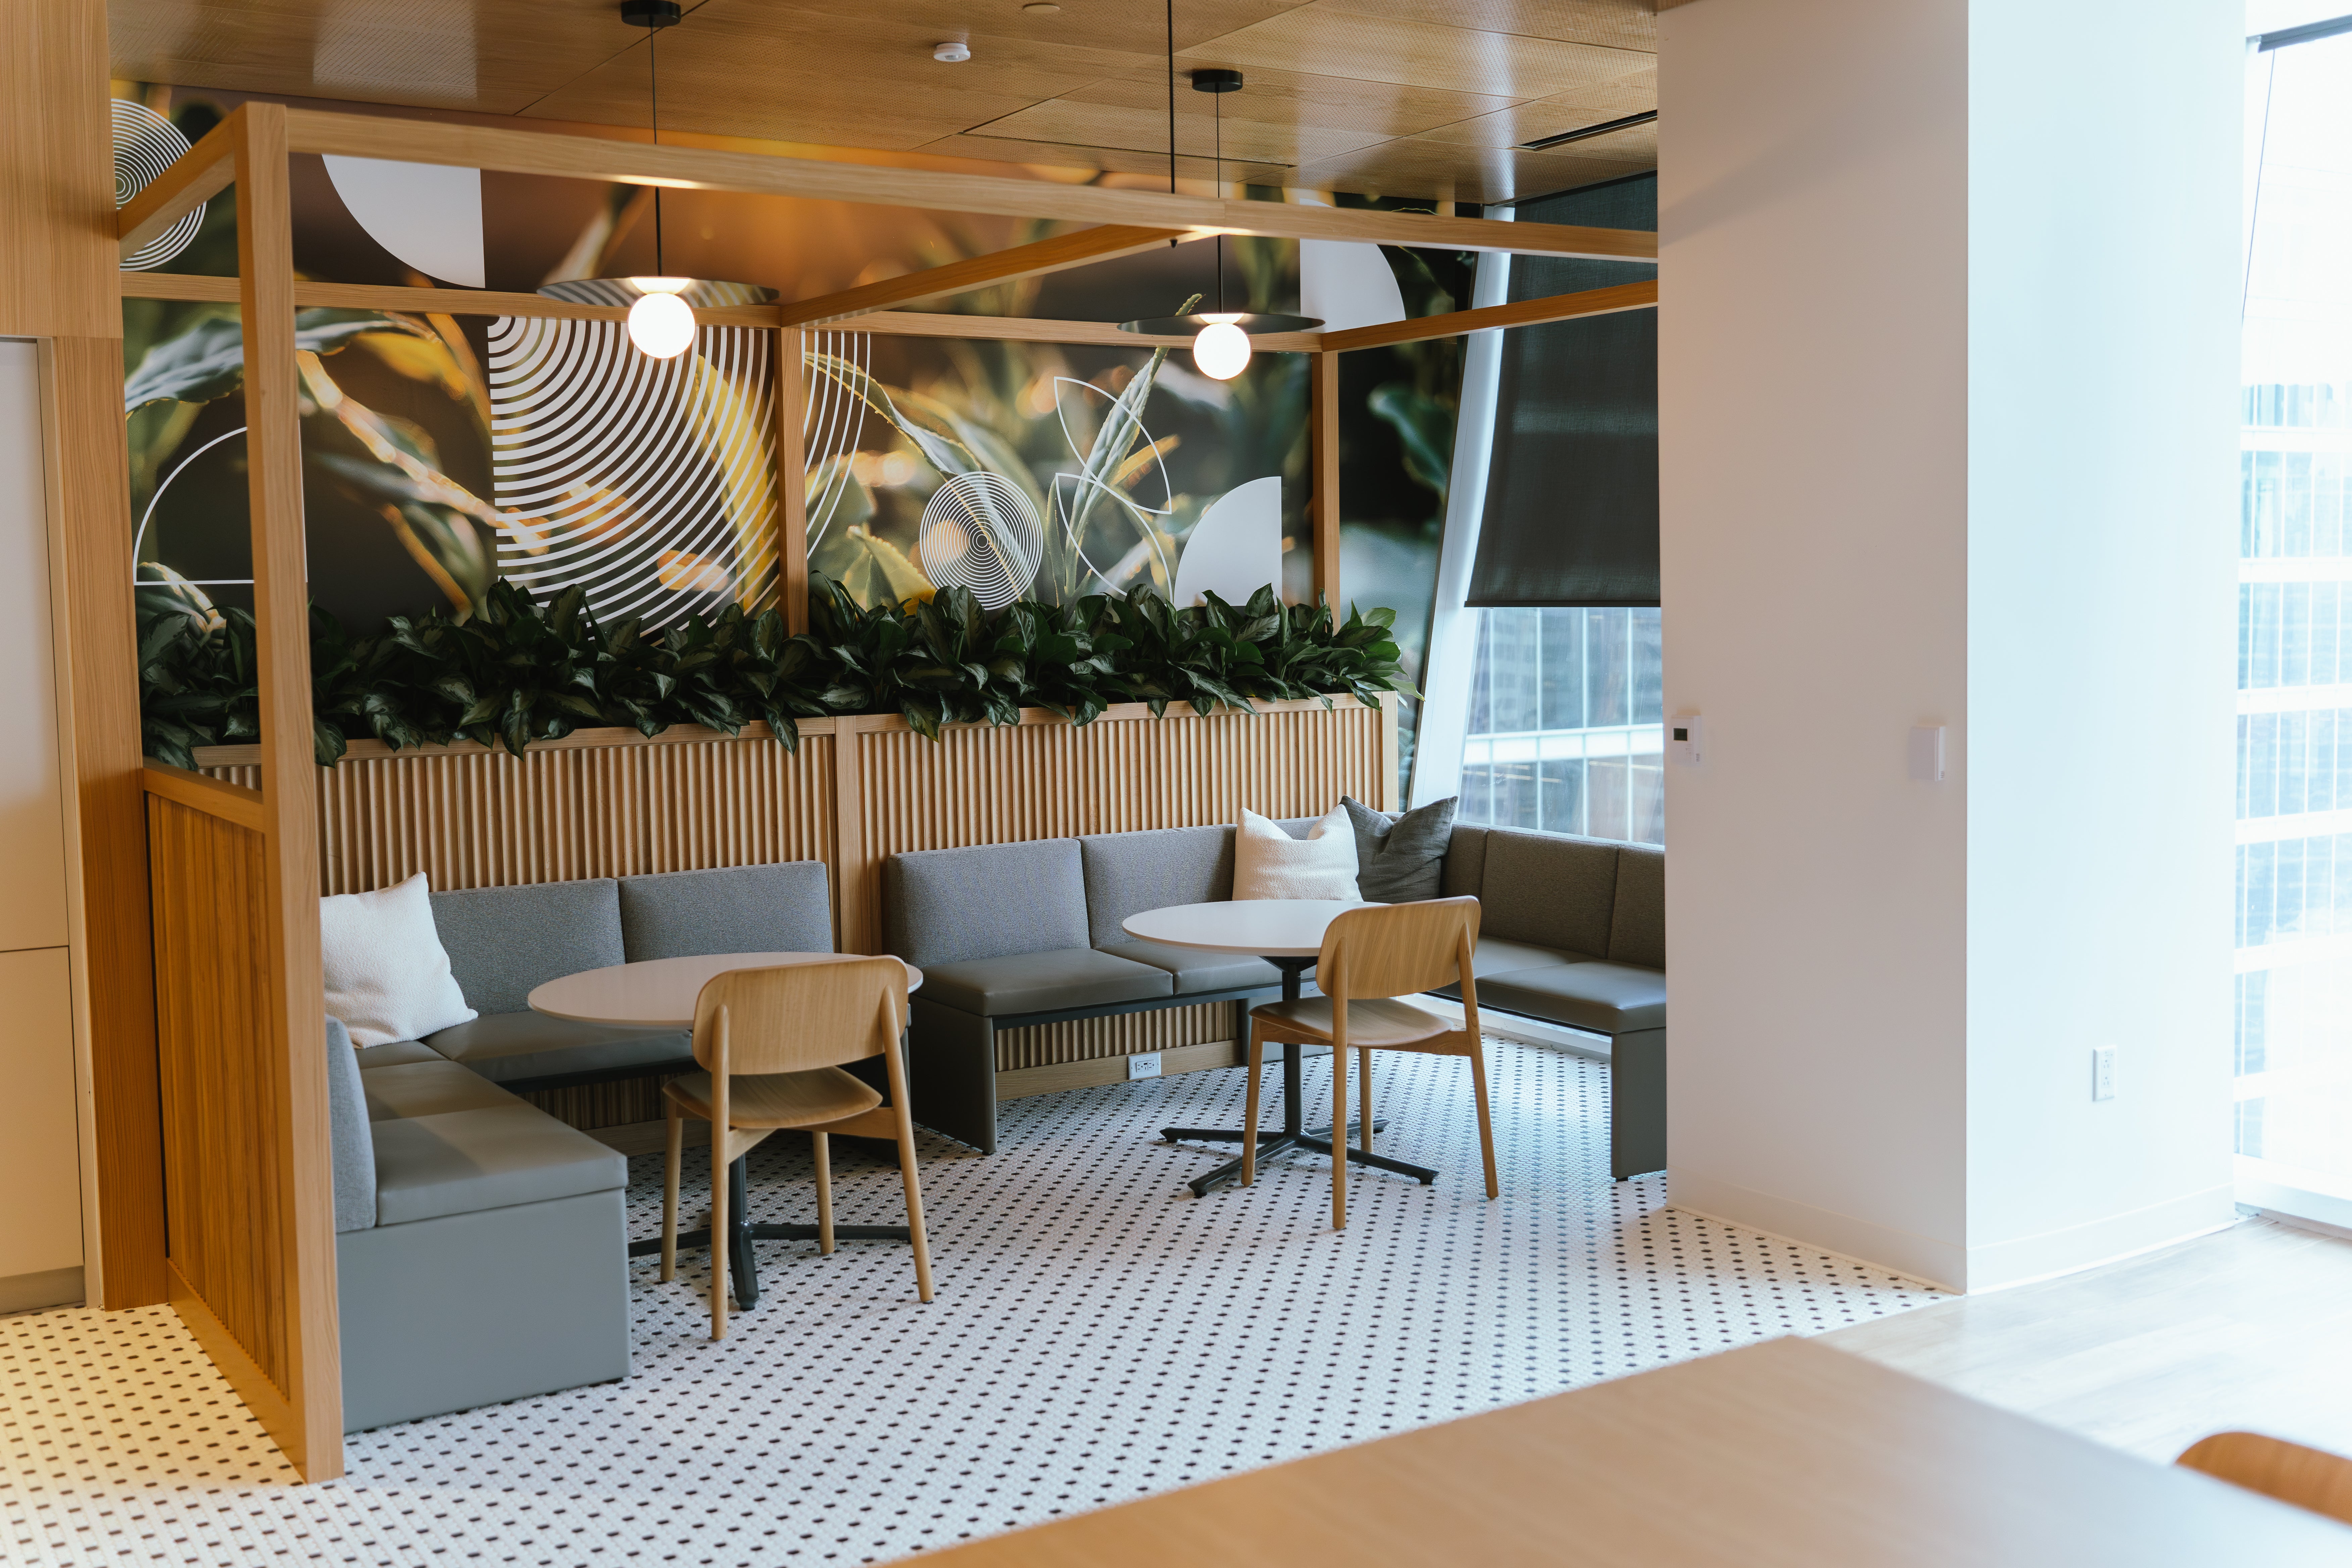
column 951, row 52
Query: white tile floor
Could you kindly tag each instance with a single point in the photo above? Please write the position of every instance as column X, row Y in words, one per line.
column 1098, row 1333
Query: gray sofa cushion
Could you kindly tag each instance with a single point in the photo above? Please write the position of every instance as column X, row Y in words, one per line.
column 784, row 908
column 992, row 901
column 429, row 1088
column 347, row 1132
column 1492, row 955
column 1547, row 889
column 1127, row 873
column 1044, row 982
column 1465, row 863
column 397, row 1054
column 1607, row 998
column 1400, row 860
column 503, row 942
column 462, row 1161
column 506, row 1047
column 1198, row 971
column 1637, row 926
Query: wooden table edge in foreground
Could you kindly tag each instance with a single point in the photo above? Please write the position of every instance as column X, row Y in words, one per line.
column 1784, row 1452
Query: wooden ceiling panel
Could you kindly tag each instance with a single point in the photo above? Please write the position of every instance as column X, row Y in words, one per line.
column 1322, row 39
column 1385, row 109
column 1540, row 117
column 1617, row 24
column 1143, row 128
column 1464, row 174
column 1197, row 174
column 1127, row 26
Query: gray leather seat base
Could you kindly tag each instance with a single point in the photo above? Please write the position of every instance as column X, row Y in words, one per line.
column 1044, row 982
column 492, row 1157
column 1606, row 998
column 426, row 1089
column 508, row 1047
column 398, row 1054
column 1196, row 971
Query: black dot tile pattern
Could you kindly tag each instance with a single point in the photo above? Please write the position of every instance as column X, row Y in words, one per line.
column 1098, row 1334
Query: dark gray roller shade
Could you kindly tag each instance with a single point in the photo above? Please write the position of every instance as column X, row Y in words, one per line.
column 1571, row 514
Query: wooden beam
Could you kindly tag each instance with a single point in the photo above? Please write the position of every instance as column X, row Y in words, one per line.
column 1020, row 330
column 1323, row 489
column 296, row 1013
column 1640, row 296
column 792, row 478
column 194, row 177
column 693, row 168
column 1056, row 254
column 202, row 792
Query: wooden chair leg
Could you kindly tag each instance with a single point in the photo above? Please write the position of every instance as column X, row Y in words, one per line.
column 1364, row 1116
column 824, row 1191
column 914, row 1202
column 718, row 1230
column 1486, row 1123
column 1249, row 1108
column 675, row 1152
column 1339, row 1138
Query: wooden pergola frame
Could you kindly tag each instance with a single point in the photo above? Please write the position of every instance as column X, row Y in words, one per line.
column 293, row 1254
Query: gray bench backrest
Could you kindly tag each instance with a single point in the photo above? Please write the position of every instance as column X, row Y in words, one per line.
column 1592, row 896
column 1637, row 926
column 503, row 941
column 1127, row 873
column 784, row 908
column 989, row 901
column 349, row 1137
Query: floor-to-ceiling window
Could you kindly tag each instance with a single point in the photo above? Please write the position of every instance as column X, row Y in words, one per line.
column 1564, row 732
column 2293, row 1044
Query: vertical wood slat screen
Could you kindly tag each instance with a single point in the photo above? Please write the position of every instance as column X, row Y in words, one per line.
column 222, row 1095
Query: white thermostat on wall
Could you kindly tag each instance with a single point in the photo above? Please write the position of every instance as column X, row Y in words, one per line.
column 1684, row 740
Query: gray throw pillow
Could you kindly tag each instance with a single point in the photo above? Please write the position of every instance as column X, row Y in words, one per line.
column 1400, row 860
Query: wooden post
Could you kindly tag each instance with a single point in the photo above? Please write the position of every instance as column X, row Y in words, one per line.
column 312, row 1425
column 792, row 477
column 857, row 930
column 1323, row 487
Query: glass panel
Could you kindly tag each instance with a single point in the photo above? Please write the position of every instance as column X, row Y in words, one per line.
column 1566, row 730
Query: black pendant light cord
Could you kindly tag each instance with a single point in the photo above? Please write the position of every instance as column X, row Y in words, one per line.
column 1171, row 103
column 1220, row 118
column 653, row 77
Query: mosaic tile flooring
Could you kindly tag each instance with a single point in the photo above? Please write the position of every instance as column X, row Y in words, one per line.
column 1098, row 1334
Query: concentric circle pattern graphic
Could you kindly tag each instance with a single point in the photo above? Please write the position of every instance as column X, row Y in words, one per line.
column 651, row 482
column 145, row 145
column 980, row 533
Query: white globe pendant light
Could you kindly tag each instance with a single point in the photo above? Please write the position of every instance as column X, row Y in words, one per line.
column 661, row 308
column 1220, row 338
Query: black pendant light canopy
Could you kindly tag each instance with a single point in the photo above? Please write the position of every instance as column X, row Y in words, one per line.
column 661, row 317
column 1214, row 347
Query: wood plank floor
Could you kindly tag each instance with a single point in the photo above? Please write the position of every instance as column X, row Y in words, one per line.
column 2250, row 1327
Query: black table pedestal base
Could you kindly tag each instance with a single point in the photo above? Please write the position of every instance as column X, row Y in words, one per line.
column 742, row 1267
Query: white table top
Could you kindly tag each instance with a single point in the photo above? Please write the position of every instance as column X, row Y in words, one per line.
column 659, row 992
column 1268, row 928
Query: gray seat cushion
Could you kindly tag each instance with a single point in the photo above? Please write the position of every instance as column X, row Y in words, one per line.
column 1127, row 873
column 784, row 908
column 463, row 1162
column 1637, row 926
column 506, row 1047
column 1548, row 890
column 1196, row 971
column 428, row 1088
column 1606, row 998
column 1044, row 982
column 1400, row 860
column 1492, row 955
column 992, row 901
column 397, row 1054
column 503, row 941
column 347, row 1132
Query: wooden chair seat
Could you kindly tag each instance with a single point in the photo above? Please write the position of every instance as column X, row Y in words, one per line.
column 2307, row 1478
column 778, row 1099
column 1372, row 1022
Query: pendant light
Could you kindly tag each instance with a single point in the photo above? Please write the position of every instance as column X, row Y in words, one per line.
column 1220, row 340
column 661, row 307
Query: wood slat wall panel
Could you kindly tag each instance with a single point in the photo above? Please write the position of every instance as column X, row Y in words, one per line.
column 1091, row 1039
column 221, row 1101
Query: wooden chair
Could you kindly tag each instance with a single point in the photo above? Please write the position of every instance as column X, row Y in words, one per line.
column 1370, row 957
column 772, row 1042
column 2310, row 1479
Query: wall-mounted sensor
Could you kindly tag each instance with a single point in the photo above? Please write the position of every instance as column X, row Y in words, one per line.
column 951, row 52
column 1927, row 754
column 1684, row 740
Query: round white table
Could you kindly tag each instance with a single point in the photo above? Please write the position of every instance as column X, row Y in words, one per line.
column 1289, row 935
column 660, row 994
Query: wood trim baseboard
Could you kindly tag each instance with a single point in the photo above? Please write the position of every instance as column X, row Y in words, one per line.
column 1022, row 1082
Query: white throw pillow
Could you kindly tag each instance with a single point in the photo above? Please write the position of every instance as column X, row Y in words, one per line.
column 1270, row 864
column 387, row 974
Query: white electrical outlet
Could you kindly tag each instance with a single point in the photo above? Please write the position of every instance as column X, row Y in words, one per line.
column 1144, row 1064
column 2102, row 1072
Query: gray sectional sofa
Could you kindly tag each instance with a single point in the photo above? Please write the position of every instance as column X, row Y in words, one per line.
column 1572, row 932
column 481, row 1246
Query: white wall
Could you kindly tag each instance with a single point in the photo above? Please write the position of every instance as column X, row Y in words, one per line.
column 40, row 1188
column 1942, row 435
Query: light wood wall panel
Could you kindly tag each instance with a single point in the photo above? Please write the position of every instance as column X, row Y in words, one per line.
column 221, row 1100
column 1091, row 1039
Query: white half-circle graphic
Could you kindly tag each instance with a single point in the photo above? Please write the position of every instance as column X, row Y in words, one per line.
column 1236, row 547
column 427, row 215
column 145, row 144
column 1346, row 283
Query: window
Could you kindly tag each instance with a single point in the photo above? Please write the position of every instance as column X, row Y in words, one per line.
column 1565, row 730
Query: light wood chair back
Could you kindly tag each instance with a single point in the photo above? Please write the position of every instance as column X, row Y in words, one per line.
column 1397, row 950
column 797, row 1017
column 2310, row 1479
